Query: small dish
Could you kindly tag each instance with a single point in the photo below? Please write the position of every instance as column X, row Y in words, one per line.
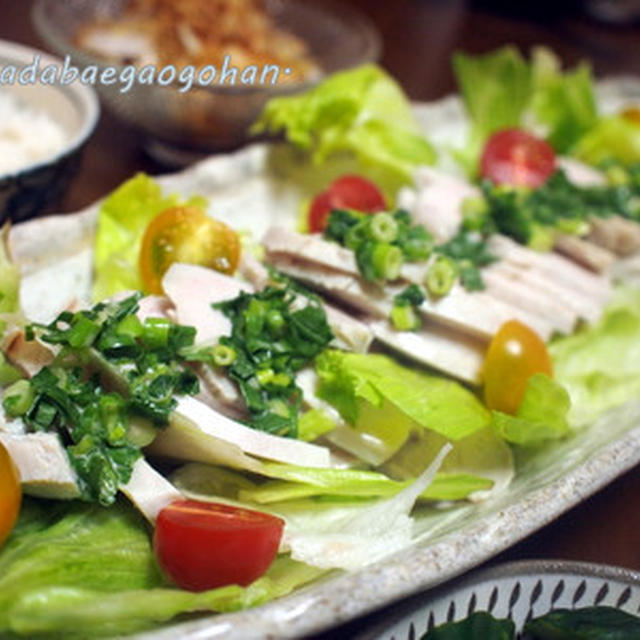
column 516, row 590
column 28, row 190
column 182, row 127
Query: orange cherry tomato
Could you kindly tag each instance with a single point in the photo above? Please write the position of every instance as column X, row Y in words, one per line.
column 204, row 545
column 632, row 114
column 185, row 234
column 515, row 354
column 515, row 157
column 10, row 494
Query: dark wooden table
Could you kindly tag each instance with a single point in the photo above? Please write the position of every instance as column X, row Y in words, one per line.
column 419, row 37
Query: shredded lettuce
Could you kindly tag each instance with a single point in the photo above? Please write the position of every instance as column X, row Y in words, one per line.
column 123, row 217
column 347, row 380
column 361, row 112
column 82, row 570
column 600, row 366
column 541, row 416
column 481, row 454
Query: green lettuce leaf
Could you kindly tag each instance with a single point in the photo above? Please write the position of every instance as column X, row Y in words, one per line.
column 502, row 89
column 361, row 112
column 496, row 89
column 351, row 382
column 564, row 102
column 294, row 483
column 541, row 416
column 123, row 217
column 614, row 137
column 81, row 570
column 600, row 366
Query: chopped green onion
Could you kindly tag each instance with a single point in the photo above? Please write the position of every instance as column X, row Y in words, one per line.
column 264, row 376
column 18, row 398
column 387, row 261
column 275, row 321
column 383, row 227
column 475, row 213
column 405, row 318
column 223, row 356
column 155, row 332
column 541, row 238
column 83, row 332
column 575, row 226
column 356, row 235
column 130, row 326
column 8, row 373
column 281, row 380
column 617, row 175
column 441, row 276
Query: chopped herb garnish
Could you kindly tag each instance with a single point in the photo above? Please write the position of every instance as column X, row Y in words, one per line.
column 382, row 242
column 70, row 397
column 532, row 216
column 404, row 315
column 275, row 333
column 469, row 252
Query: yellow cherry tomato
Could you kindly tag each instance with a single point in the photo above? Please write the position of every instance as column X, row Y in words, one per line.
column 186, row 234
column 632, row 114
column 515, row 353
column 10, row 494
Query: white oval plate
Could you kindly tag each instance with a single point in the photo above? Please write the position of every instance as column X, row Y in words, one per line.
column 249, row 191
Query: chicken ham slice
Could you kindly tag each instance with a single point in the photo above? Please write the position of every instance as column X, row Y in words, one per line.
column 552, row 266
column 43, row 465
column 45, row 472
column 186, row 281
column 457, row 354
column 477, row 313
column 585, row 253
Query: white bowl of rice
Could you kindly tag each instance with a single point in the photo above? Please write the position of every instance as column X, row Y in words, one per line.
column 43, row 129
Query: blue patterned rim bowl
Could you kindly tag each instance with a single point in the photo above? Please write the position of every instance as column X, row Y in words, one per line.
column 26, row 192
column 517, row 590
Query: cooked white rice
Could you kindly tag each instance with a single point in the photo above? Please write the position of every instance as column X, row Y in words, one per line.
column 27, row 134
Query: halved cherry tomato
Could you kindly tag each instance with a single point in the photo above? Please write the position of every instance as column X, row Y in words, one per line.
column 10, row 494
column 515, row 354
column 515, row 157
column 185, row 234
column 347, row 192
column 203, row 545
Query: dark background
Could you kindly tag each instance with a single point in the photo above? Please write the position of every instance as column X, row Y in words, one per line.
column 419, row 37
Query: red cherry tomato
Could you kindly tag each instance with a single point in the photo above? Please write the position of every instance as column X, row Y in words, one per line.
column 204, row 545
column 515, row 157
column 347, row 192
column 515, row 354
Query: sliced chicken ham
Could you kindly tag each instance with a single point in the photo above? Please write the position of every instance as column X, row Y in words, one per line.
column 44, row 471
column 43, row 465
